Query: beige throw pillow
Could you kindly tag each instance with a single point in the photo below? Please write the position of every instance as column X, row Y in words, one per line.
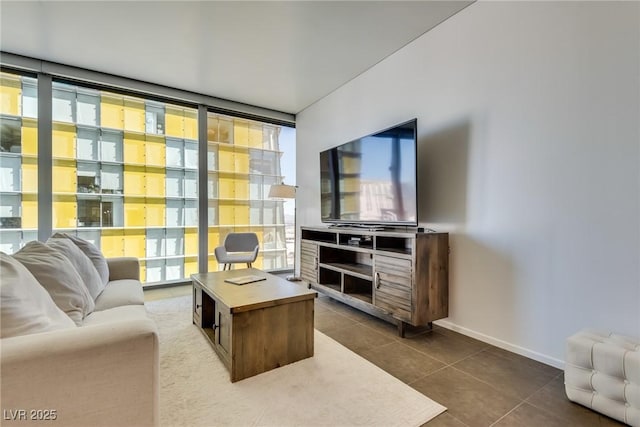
column 58, row 276
column 92, row 251
column 82, row 264
column 25, row 306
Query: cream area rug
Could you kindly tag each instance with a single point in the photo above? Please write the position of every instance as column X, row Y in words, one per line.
column 335, row 387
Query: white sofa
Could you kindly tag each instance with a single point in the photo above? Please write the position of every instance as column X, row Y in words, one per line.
column 103, row 372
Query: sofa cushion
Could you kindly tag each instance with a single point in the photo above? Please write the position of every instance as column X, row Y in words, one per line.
column 58, row 276
column 126, row 312
column 120, row 292
column 25, row 306
column 82, row 264
column 92, row 251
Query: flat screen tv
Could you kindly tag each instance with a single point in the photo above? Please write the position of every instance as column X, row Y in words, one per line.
column 371, row 180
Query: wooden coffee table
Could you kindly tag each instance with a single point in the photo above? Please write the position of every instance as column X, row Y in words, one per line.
column 254, row 327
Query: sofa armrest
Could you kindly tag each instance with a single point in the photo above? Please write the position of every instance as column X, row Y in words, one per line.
column 98, row 375
column 123, row 268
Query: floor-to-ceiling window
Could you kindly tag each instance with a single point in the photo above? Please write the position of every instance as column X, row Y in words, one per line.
column 18, row 161
column 243, row 161
column 124, row 174
column 125, row 177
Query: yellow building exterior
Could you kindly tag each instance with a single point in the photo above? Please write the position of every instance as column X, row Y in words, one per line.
column 125, row 176
column 18, row 161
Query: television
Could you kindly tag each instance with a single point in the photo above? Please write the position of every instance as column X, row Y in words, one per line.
column 372, row 180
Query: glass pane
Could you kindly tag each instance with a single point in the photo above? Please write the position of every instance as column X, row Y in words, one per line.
column 212, row 157
column 191, row 185
column 111, row 146
column 255, row 187
column 112, row 211
column 64, row 101
column 89, row 213
column 10, row 135
column 10, row 211
column 155, row 243
column 191, row 213
column 213, row 215
column 10, row 241
column 255, row 215
column 175, row 152
column 154, row 119
column 18, row 161
column 175, row 213
column 88, row 177
column 155, row 271
column 10, row 171
column 29, row 97
column 174, row 269
column 112, row 179
column 191, row 154
column 87, row 144
column 175, row 183
column 88, row 106
column 174, row 242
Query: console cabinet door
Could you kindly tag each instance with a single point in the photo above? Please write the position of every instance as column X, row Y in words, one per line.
column 309, row 262
column 393, row 280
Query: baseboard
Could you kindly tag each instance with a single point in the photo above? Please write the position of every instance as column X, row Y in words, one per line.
column 542, row 358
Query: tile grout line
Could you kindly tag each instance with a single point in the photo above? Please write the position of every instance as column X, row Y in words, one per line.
column 508, row 412
column 446, row 364
column 489, row 384
column 539, row 389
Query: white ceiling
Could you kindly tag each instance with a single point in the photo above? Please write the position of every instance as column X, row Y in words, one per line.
column 282, row 55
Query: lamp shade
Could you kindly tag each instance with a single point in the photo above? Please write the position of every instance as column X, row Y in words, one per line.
column 282, row 191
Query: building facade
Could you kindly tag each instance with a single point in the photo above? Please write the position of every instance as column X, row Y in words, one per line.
column 125, row 176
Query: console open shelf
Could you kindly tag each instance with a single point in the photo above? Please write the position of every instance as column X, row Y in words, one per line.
column 399, row 276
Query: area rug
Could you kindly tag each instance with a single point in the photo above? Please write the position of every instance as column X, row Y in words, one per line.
column 335, row 387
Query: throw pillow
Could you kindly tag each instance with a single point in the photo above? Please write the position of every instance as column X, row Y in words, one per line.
column 82, row 264
column 92, row 251
column 58, row 276
column 26, row 307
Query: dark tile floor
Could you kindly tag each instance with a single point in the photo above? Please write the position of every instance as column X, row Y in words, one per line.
column 481, row 385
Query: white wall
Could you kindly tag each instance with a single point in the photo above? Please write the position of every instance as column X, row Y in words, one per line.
column 529, row 141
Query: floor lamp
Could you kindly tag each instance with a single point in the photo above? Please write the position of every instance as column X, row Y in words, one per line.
column 283, row 191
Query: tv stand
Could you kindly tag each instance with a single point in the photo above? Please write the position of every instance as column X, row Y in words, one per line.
column 400, row 277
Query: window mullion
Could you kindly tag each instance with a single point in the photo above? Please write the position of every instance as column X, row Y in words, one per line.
column 45, row 153
column 203, row 202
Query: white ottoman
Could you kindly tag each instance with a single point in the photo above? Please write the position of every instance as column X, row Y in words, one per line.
column 602, row 372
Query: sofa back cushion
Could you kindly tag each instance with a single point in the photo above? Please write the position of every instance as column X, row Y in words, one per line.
column 82, row 264
column 25, row 306
column 59, row 277
column 91, row 251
